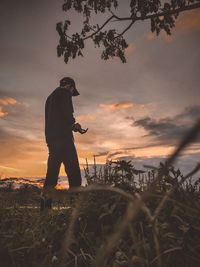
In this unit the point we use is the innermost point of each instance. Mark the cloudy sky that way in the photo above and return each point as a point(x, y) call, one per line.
point(139, 110)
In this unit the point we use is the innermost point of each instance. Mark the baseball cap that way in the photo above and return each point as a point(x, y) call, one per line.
point(68, 80)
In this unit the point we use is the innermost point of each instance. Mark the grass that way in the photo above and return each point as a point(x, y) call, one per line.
point(105, 226)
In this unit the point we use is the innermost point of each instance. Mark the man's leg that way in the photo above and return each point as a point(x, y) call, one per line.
point(71, 164)
point(53, 168)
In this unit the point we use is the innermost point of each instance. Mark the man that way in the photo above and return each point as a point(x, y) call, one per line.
point(59, 124)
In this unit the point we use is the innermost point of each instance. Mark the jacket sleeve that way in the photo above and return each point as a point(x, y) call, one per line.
point(67, 107)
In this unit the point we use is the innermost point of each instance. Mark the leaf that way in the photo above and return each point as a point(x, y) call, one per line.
point(59, 28)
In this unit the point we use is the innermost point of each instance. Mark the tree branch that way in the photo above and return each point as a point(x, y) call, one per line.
point(168, 12)
point(126, 29)
point(114, 42)
point(94, 33)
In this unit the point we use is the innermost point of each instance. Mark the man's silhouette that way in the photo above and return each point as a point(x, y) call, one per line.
point(59, 124)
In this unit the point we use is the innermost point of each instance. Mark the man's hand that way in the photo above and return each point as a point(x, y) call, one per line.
point(76, 127)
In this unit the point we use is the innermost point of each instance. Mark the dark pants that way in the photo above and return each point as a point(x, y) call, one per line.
point(62, 150)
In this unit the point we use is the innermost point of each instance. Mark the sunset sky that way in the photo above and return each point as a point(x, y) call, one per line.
point(137, 111)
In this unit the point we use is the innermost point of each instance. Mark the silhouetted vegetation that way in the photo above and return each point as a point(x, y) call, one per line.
point(117, 224)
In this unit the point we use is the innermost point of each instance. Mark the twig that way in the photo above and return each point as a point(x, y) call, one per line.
point(21, 248)
point(196, 169)
point(189, 137)
point(126, 29)
point(145, 209)
point(120, 228)
point(69, 232)
point(99, 29)
point(165, 252)
point(157, 245)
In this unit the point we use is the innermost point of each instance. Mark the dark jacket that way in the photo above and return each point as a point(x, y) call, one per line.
point(59, 114)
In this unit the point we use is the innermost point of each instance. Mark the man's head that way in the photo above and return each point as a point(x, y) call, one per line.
point(69, 83)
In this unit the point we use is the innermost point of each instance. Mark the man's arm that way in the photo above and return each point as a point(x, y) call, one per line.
point(67, 107)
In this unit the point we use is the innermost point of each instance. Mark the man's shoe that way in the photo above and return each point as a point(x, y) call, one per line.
point(45, 203)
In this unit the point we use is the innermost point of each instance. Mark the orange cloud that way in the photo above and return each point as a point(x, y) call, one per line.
point(5, 102)
point(121, 105)
point(189, 22)
point(90, 117)
point(3, 114)
point(167, 37)
point(149, 36)
point(130, 49)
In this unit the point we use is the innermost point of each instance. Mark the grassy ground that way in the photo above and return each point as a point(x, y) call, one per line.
point(105, 226)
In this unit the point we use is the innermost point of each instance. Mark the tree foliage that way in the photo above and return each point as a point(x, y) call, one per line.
point(162, 15)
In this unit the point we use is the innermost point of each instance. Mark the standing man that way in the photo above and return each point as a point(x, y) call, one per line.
point(59, 124)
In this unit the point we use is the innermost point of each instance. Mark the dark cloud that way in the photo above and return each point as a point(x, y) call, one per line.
point(162, 128)
point(126, 158)
point(191, 112)
point(170, 129)
point(113, 154)
point(100, 154)
point(126, 150)
point(129, 118)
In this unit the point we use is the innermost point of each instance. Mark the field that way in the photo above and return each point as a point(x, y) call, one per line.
point(117, 220)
